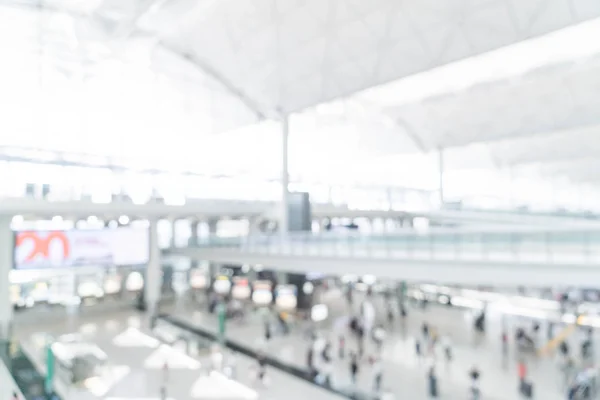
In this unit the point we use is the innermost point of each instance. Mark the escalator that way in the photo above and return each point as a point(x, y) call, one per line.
point(29, 381)
point(295, 371)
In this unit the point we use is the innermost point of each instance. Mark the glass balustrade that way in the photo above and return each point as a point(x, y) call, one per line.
point(533, 245)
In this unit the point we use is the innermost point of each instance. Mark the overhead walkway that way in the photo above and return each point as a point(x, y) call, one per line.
point(516, 256)
point(211, 208)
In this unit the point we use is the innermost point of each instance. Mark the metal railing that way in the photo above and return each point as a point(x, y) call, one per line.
point(271, 359)
point(580, 245)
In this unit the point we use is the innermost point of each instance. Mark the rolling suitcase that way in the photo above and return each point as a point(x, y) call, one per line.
point(527, 389)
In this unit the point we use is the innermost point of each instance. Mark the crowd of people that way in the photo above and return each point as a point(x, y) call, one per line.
point(357, 340)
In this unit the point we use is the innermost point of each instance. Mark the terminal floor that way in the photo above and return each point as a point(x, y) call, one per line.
point(404, 373)
point(141, 382)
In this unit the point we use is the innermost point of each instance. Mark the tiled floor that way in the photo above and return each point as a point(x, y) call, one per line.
point(404, 373)
point(135, 367)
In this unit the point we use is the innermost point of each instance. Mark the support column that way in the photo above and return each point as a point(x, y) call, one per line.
point(282, 277)
point(6, 261)
point(390, 199)
point(213, 268)
point(152, 287)
point(441, 175)
point(212, 226)
point(254, 225)
point(173, 231)
point(194, 233)
point(285, 178)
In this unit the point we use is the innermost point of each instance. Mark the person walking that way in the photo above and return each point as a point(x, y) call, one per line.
point(425, 331)
point(390, 315)
point(378, 337)
point(474, 374)
point(525, 387)
point(361, 340)
point(418, 349)
point(231, 366)
point(521, 371)
point(447, 349)
point(165, 381)
point(432, 383)
point(377, 370)
point(341, 347)
point(353, 367)
point(326, 352)
point(325, 373)
point(267, 331)
point(504, 344)
point(261, 374)
point(310, 365)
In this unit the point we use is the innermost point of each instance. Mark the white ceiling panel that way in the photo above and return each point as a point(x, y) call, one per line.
point(558, 98)
point(421, 74)
point(385, 39)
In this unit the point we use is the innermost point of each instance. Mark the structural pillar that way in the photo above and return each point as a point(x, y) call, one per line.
point(194, 233)
point(213, 269)
point(441, 176)
point(212, 229)
point(152, 288)
point(173, 233)
point(6, 261)
point(285, 178)
point(282, 277)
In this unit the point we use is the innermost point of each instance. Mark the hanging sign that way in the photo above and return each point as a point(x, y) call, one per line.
point(241, 288)
point(286, 296)
point(262, 292)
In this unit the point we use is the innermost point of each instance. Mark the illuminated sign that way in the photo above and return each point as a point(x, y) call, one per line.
point(222, 284)
point(262, 293)
point(48, 249)
point(241, 288)
point(286, 296)
point(38, 244)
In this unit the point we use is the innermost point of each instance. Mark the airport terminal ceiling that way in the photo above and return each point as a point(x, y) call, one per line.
point(504, 91)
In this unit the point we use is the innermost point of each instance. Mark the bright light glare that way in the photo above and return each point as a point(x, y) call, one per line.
point(123, 219)
point(174, 358)
point(133, 337)
point(100, 385)
point(136, 398)
point(88, 329)
point(467, 303)
point(218, 386)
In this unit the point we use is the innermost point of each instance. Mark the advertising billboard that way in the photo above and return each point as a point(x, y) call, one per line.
point(70, 248)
